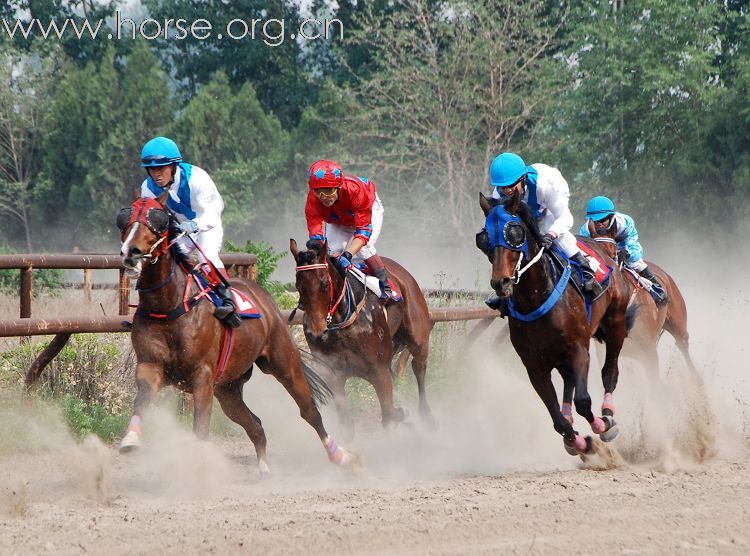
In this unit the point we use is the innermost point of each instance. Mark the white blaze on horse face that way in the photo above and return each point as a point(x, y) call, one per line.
point(134, 271)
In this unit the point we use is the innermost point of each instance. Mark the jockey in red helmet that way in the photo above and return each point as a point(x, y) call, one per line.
point(347, 213)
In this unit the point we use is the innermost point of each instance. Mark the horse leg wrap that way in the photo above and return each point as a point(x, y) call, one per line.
point(335, 454)
point(608, 404)
point(567, 412)
point(580, 443)
point(598, 426)
point(135, 425)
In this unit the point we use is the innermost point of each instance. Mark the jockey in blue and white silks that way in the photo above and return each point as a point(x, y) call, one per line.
point(197, 205)
point(545, 190)
point(601, 214)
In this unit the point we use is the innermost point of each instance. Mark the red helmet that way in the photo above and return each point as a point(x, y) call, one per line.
point(324, 173)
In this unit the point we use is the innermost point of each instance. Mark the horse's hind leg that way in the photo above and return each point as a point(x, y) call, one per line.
point(419, 366)
point(203, 397)
point(230, 399)
point(337, 385)
point(149, 378)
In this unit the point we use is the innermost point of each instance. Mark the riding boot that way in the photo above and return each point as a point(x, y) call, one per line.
point(498, 303)
point(226, 312)
point(590, 285)
point(657, 287)
point(376, 266)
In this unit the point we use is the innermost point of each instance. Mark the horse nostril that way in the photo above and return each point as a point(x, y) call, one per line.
point(506, 282)
point(134, 252)
point(324, 335)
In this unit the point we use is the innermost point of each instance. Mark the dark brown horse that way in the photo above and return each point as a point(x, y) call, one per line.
point(184, 350)
point(652, 319)
point(559, 338)
point(358, 336)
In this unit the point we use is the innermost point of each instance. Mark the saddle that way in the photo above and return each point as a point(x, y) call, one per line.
point(602, 272)
point(246, 308)
point(359, 271)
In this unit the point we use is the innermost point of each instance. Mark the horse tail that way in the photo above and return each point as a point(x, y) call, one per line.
point(631, 313)
point(399, 361)
point(321, 392)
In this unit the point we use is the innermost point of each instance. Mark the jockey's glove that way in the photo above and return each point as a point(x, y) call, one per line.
point(345, 260)
point(189, 226)
point(623, 255)
point(546, 241)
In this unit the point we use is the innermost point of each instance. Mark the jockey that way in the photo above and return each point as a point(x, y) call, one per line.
point(197, 205)
point(600, 212)
point(347, 213)
point(546, 192)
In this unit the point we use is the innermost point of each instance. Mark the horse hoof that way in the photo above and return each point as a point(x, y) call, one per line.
point(130, 442)
point(429, 422)
point(265, 472)
point(350, 460)
point(399, 414)
point(612, 430)
point(569, 447)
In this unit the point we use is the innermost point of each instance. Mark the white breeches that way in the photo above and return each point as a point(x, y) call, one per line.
point(566, 242)
point(339, 237)
point(209, 242)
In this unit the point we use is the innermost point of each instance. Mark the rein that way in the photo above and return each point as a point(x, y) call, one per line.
point(519, 271)
point(346, 289)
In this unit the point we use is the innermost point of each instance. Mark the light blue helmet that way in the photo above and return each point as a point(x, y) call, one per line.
point(506, 170)
point(600, 208)
point(160, 151)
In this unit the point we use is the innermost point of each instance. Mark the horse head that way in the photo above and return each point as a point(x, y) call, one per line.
point(315, 286)
point(144, 227)
point(510, 233)
point(604, 237)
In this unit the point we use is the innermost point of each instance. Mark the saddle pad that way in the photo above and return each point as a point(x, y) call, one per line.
point(245, 306)
point(600, 268)
point(372, 283)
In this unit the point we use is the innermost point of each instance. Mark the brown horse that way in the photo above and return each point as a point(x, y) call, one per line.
point(652, 319)
point(178, 341)
point(358, 336)
point(554, 335)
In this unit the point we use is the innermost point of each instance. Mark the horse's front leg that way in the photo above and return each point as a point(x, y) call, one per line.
point(568, 389)
point(541, 380)
point(610, 374)
point(149, 378)
point(203, 398)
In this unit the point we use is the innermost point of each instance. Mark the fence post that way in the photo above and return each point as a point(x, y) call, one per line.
point(87, 285)
point(124, 293)
point(27, 280)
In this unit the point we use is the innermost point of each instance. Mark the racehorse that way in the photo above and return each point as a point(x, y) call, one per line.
point(652, 319)
point(178, 341)
point(554, 335)
point(357, 335)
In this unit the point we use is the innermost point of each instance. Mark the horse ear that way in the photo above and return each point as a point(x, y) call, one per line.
point(293, 249)
point(484, 202)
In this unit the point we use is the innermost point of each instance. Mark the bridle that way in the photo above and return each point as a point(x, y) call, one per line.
point(346, 290)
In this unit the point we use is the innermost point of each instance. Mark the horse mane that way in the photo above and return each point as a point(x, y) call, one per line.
point(527, 217)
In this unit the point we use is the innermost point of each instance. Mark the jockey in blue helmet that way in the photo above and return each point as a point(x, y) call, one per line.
point(603, 220)
point(546, 192)
point(197, 205)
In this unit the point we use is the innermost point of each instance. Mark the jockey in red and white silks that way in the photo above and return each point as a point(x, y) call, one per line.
point(346, 212)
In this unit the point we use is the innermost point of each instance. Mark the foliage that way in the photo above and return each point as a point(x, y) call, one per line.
point(90, 417)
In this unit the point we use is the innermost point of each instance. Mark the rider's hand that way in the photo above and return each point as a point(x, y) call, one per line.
point(189, 226)
point(623, 255)
point(546, 241)
point(345, 260)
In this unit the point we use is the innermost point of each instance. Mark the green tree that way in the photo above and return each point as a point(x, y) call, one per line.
point(26, 85)
point(456, 82)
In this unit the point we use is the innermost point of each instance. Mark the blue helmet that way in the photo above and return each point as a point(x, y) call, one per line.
point(160, 151)
point(506, 170)
point(600, 208)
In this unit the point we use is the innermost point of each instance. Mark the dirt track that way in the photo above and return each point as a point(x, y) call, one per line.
point(493, 479)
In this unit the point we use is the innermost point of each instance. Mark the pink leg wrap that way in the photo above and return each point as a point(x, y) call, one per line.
point(335, 453)
point(598, 426)
point(580, 443)
point(135, 425)
point(567, 412)
point(609, 402)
